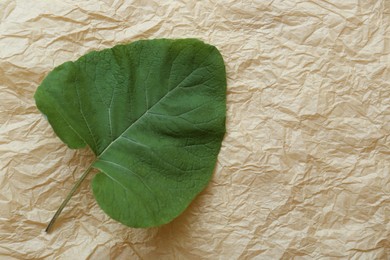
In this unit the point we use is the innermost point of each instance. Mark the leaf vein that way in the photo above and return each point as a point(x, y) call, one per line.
point(82, 113)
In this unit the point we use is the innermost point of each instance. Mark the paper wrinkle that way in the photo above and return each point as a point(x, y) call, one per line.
point(304, 166)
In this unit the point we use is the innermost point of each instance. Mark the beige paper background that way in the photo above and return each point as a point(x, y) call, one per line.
point(305, 164)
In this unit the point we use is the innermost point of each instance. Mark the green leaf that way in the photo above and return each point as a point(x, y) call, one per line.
point(153, 112)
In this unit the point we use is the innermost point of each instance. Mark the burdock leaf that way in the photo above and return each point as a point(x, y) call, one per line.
point(153, 113)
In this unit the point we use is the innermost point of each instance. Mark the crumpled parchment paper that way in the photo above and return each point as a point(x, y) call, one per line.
point(305, 164)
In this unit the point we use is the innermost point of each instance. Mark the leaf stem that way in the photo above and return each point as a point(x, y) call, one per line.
point(68, 197)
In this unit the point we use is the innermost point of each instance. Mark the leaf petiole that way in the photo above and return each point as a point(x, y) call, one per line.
point(68, 197)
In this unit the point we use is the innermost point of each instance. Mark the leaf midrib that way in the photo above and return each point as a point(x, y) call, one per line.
point(149, 109)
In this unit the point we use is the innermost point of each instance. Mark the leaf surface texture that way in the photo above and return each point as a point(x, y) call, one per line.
point(153, 113)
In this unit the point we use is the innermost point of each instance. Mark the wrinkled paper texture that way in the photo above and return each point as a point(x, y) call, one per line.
point(304, 167)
